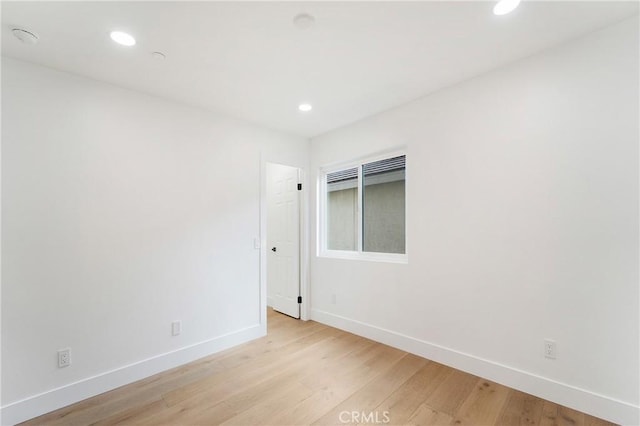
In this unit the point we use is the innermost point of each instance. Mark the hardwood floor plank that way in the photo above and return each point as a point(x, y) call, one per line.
point(259, 368)
point(594, 421)
point(367, 398)
point(225, 386)
point(569, 417)
point(352, 379)
point(255, 402)
point(521, 409)
point(427, 416)
point(326, 395)
point(271, 405)
point(287, 395)
point(452, 392)
point(557, 415)
point(283, 334)
point(131, 415)
point(549, 414)
point(303, 373)
point(404, 401)
point(483, 405)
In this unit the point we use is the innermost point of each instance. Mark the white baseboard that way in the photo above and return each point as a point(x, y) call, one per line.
point(45, 402)
point(561, 393)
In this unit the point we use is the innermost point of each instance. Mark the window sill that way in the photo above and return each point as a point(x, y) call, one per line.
point(366, 256)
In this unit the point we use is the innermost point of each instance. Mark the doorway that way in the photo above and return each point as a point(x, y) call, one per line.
point(284, 190)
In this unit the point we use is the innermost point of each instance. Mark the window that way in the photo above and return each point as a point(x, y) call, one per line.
point(363, 210)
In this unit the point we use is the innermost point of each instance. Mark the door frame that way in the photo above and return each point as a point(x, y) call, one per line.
point(304, 240)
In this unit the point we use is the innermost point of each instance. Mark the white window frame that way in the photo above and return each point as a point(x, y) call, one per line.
point(358, 254)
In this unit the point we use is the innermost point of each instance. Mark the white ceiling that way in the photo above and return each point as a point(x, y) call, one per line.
point(248, 60)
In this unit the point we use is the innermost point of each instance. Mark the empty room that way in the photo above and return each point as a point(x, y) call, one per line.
point(320, 213)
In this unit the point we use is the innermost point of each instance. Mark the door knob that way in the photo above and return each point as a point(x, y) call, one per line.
point(273, 249)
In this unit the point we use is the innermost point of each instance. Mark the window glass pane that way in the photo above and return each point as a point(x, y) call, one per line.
point(383, 202)
point(342, 210)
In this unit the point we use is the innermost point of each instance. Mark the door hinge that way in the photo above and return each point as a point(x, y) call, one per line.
point(299, 299)
point(299, 187)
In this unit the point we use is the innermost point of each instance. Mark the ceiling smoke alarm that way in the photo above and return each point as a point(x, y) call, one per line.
point(304, 21)
point(27, 37)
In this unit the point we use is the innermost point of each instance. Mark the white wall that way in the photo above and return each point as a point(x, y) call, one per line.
point(122, 213)
point(522, 224)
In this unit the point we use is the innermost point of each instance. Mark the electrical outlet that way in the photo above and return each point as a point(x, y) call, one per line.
point(64, 358)
point(176, 328)
point(550, 350)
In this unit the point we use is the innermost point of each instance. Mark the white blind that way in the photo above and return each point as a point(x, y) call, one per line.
point(376, 167)
point(386, 165)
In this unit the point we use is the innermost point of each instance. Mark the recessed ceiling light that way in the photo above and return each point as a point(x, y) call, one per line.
point(305, 107)
point(304, 21)
point(505, 6)
point(122, 38)
point(27, 37)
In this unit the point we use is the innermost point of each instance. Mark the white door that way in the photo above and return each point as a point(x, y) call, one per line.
point(283, 239)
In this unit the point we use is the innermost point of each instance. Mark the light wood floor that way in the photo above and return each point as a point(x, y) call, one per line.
point(305, 373)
